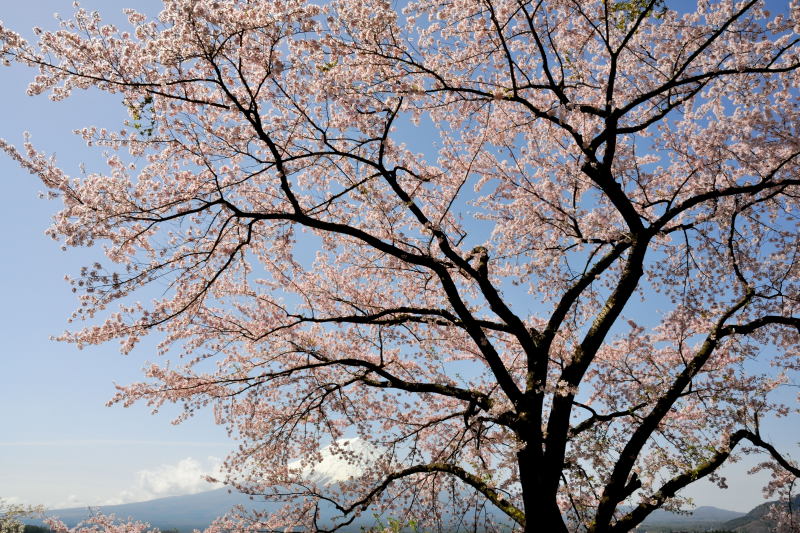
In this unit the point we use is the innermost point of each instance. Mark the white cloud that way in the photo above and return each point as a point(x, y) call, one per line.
point(71, 501)
point(187, 476)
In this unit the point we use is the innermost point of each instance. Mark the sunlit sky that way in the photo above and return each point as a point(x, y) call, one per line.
point(59, 444)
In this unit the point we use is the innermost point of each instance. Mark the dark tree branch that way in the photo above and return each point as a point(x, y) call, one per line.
point(598, 418)
point(668, 490)
point(439, 468)
point(614, 493)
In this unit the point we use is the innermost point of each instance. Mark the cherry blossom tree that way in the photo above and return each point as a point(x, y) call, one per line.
point(101, 523)
point(12, 513)
point(540, 258)
point(782, 516)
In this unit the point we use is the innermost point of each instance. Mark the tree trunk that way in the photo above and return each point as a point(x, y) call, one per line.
point(542, 514)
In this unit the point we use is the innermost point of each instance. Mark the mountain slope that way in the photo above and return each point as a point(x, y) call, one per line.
point(199, 510)
point(181, 512)
point(700, 514)
point(753, 521)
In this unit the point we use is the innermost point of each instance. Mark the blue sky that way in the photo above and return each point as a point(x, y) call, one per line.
point(59, 444)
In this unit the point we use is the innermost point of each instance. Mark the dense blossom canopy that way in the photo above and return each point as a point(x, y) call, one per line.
point(539, 258)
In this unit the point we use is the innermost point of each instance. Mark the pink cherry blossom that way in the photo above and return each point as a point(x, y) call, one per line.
point(529, 252)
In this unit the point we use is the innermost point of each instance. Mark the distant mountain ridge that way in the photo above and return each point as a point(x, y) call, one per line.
point(184, 513)
point(704, 518)
point(753, 521)
point(197, 511)
point(703, 513)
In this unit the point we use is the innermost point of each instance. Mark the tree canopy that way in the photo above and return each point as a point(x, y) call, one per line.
point(11, 515)
point(539, 257)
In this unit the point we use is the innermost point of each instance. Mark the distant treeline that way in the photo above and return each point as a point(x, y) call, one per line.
point(37, 529)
